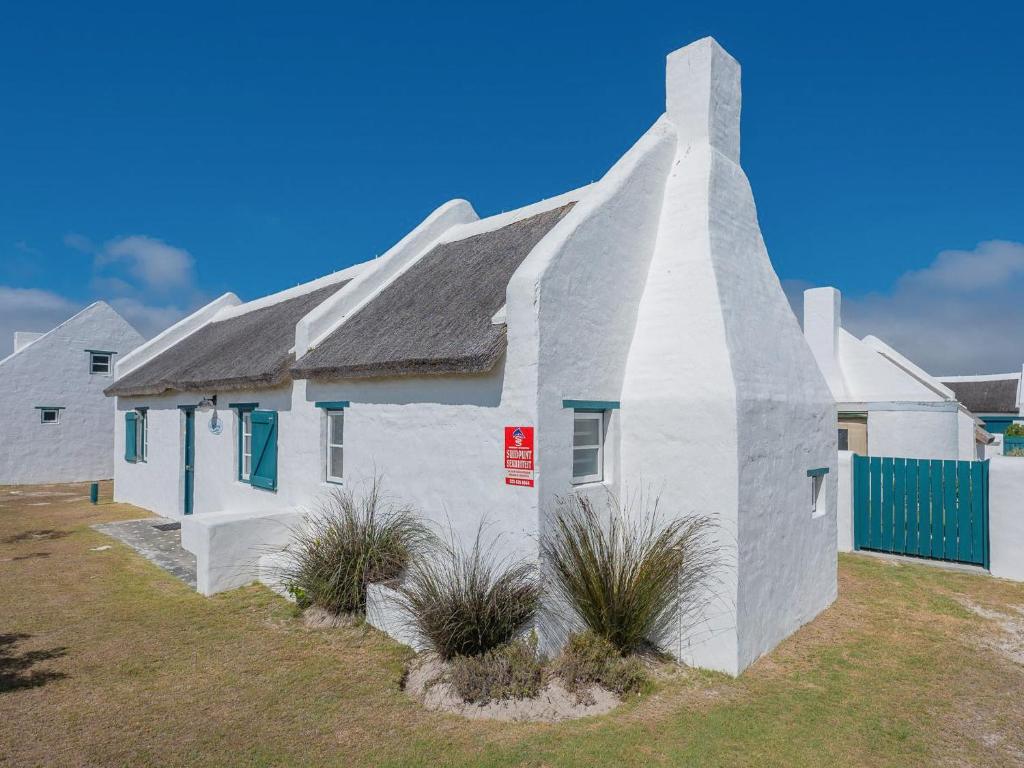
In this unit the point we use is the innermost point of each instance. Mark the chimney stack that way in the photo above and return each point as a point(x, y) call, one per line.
point(702, 96)
point(822, 321)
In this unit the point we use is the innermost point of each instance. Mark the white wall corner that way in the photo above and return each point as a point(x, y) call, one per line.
point(702, 96)
point(329, 315)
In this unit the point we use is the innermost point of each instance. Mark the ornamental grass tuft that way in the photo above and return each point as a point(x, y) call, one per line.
point(467, 602)
point(629, 577)
point(350, 541)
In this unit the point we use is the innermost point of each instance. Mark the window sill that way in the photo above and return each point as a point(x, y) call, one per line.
point(587, 484)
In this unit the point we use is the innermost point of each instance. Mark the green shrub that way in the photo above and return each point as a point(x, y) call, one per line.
point(1015, 430)
point(588, 659)
point(465, 604)
point(510, 671)
point(349, 542)
point(1015, 452)
point(629, 578)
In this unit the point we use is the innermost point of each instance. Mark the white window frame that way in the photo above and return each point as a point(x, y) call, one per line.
point(600, 418)
point(92, 363)
point(332, 441)
point(245, 459)
point(141, 434)
point(44, 411)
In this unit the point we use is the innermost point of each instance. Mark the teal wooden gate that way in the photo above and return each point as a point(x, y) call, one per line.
point(920, 507)
point(1013, 445)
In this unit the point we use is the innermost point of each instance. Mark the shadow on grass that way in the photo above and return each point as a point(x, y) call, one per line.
point(48, 534)
point(16, 670)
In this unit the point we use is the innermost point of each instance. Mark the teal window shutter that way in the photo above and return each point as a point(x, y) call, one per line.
point(264, 450)
point(130, 445)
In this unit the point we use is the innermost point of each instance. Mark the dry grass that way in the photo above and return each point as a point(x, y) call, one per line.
point(135, 669)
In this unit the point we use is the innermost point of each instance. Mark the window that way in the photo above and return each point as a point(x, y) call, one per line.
point(818, 499)
point(245, 445)
point(588, 447)
point(844, 439)
point(49, 415)
point(335, 451)
point(141, 435)
point(100, 362)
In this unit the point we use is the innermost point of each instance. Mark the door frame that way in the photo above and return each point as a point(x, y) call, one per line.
point(188, 459)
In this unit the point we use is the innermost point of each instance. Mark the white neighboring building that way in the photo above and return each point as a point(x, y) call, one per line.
point(997, 399)
point(55, 421)
point(636, 326)
point(887, 405)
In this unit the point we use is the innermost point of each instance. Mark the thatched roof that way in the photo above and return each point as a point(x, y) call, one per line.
point(987, 395)
point(436, 317)
point(248, 350)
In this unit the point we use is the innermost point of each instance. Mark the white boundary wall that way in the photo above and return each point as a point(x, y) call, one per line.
point(1006, 514)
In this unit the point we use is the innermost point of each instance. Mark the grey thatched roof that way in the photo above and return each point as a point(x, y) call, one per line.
point(436, 317)
point(987, 396)
point(248, 350)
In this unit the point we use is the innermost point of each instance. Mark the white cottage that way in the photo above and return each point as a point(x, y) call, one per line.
point(55, 422)
point(996, 398)
point(888, 406)
point(632, 333)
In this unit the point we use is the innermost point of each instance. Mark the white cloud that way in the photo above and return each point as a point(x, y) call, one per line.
point(151, 283)
point(156, 264)
point(963, 313)
point(992, 264)
point(147, 319)
point(30, 309)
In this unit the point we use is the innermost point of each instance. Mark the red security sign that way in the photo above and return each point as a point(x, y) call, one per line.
point(519, 456)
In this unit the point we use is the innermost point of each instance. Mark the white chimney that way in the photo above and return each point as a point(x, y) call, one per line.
point(23, 338)
point(822, 321)
point(702, 96)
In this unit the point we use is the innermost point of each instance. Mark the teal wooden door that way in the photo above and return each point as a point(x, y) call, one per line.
point(923, 508)
point(190, 459)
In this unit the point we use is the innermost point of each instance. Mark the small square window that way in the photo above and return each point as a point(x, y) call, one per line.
point(588, 447)
point(49, 415)
point(100, 362)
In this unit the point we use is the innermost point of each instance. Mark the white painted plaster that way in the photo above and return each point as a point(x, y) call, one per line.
point(718, 352)
point(384, 611)
point(228, 545)
point(23, 338)
point(910, 413)
point(844, 502)
point(1006, 517)
point(53, 370)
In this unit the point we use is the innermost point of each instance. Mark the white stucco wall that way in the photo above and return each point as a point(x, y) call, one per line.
point(53, 370)
point(844, 502)
point(723, 406)
point(915, 434)
point(1006, 517)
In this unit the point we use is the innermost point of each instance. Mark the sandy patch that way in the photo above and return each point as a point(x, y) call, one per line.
point(317, 618)
point(424, 683)
point(1009, 636)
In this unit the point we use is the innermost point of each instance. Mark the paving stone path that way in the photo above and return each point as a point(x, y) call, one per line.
point(162, 547)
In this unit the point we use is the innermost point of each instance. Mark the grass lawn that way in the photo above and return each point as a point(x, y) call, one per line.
point(105, 660)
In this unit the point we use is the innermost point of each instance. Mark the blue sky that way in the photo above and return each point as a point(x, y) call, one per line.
point(157, 157)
